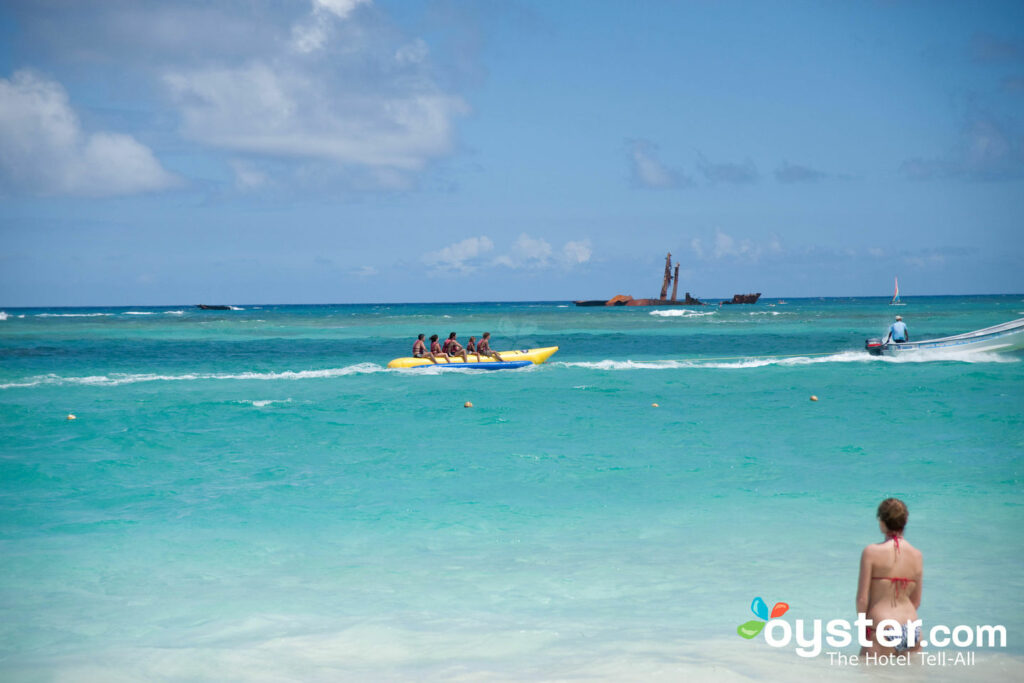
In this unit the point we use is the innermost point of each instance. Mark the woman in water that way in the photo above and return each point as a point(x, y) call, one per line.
point(889, 586)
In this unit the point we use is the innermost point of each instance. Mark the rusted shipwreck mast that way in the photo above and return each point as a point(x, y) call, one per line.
point(663, 300)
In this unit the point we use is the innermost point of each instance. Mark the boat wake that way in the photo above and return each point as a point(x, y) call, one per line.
point(743, 363)
point(118, 379)
point(471, 368)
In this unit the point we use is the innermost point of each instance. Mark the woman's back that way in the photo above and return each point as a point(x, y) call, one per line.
point(896, 568)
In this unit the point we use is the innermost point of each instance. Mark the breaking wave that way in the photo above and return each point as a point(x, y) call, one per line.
point(266, 402)
point(684, 313)
point(119, 379)
point(71, 315)
point(4, 316)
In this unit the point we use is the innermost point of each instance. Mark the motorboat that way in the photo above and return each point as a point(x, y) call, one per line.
point(1005, 337)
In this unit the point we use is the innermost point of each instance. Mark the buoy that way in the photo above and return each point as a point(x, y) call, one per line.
point(467, 404)
point(71, 417)
point(814, 398)
point(654, 405)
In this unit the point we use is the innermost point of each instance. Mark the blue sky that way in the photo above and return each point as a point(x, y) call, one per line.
point(377, 151)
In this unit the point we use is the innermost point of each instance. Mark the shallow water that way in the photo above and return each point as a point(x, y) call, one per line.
point(252, 492)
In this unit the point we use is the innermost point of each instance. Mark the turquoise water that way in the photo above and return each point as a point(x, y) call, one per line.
point(250, 494)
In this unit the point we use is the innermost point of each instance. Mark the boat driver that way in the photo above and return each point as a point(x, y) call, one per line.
point(898, 331)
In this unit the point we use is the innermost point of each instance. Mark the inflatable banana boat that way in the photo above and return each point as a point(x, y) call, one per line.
point(509, 359)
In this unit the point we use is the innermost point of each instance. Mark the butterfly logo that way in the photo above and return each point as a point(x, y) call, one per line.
point(760, 609)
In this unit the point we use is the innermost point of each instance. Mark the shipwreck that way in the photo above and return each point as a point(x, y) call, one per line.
point(663, 300)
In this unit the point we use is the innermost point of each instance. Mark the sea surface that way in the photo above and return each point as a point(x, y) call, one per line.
point(251, 495)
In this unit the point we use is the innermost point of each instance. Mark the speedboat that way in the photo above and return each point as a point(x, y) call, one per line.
point(1006, 337)
point(509, 360)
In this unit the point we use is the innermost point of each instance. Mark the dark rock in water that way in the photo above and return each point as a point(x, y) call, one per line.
point(619, 300)
point(744, 298)
point(590, 302)
point(207, 307)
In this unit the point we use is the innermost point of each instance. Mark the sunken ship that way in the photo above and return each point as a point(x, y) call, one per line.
point(663, 300)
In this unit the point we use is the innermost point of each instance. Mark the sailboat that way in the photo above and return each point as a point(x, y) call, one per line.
point(896, 295)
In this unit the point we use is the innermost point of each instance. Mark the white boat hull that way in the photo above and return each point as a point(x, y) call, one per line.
point(1005, 337)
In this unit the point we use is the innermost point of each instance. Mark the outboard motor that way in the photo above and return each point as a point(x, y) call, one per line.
point(874, 346)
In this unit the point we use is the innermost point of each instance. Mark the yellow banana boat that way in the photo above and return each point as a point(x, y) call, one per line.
point(509, 359)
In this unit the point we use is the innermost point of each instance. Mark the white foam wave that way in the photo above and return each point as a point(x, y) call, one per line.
point(174, 312)
point(119, 379)
point(267, 402)
point(762, 361)
point(71, 315)
point(236, 308)
point(443, 368)
point(4, 316)
point(682, 313)
point(139, 312)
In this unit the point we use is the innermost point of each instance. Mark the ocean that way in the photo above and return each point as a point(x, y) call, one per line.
point(251, 495)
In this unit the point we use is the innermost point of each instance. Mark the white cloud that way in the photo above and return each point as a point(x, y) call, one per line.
point(727, 172)
point(576, 252)
point(350, 93)
point(988, 150)
point(412, 53)
point(248, 177)
point(926, 260)
point(458, 256)
point(284, 113)
point(535, 253)
point(527, 252)
point(43, 149)
point(312, 32)
point(726, 246)
point(364, 271)
point(698, 247)
point(648, 171)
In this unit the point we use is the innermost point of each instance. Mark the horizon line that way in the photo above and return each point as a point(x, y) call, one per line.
point(495, 301)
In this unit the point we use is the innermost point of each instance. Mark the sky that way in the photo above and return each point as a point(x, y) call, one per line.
point(347, 151)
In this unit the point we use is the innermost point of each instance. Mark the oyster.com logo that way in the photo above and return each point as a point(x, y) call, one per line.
point(760, 609)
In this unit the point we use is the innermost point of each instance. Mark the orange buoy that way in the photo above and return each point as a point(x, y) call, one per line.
point(467, 404)
point(814, 398)
point(71, 417)
point(654, 405)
